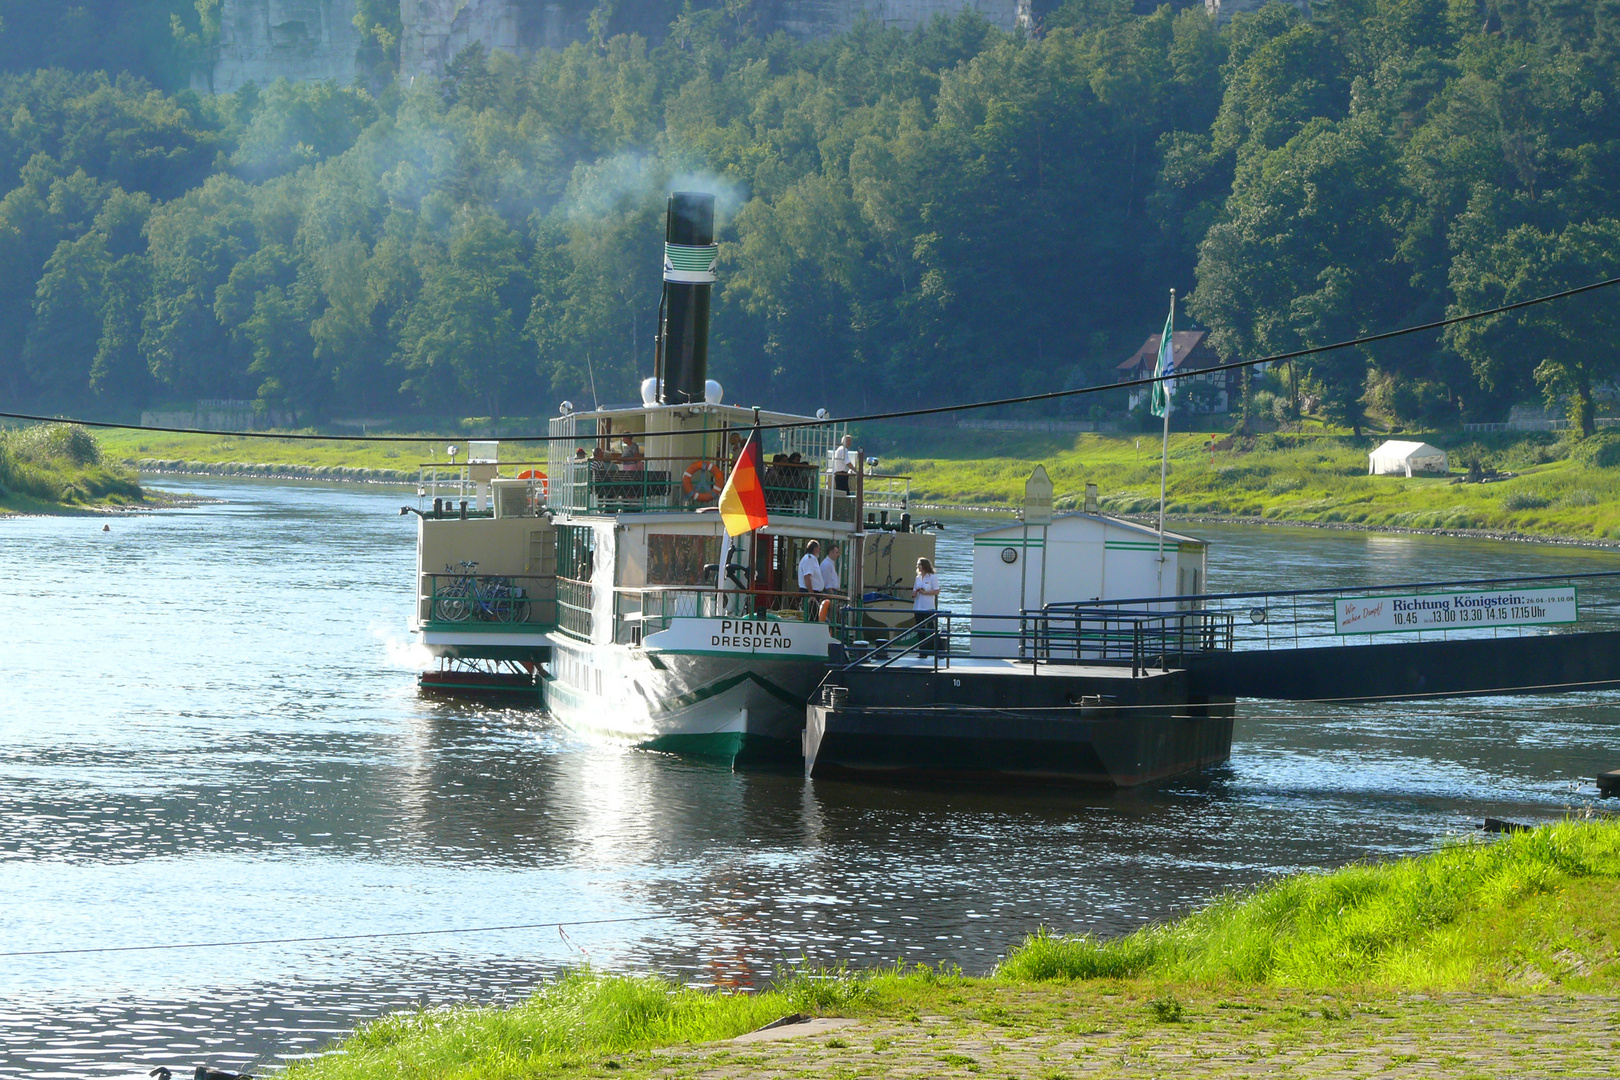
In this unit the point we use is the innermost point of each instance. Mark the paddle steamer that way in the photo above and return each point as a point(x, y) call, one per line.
point(604, 575)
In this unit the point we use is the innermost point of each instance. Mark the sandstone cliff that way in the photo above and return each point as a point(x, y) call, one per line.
point(301, 40)
point(261, 41)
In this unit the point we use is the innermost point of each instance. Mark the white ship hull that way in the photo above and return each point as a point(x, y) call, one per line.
point(707, 703)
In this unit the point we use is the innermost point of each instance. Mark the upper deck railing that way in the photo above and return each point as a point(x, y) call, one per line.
point(679, 458)
point(651, 485)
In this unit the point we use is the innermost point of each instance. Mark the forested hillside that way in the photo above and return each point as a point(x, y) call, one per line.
point(908, 218)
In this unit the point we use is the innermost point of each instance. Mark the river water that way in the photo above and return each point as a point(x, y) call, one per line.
point(209, 732)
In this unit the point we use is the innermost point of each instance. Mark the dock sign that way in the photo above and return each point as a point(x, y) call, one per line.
point(1453, 610)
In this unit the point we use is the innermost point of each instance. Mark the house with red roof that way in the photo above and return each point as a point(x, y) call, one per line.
point(1193, 354)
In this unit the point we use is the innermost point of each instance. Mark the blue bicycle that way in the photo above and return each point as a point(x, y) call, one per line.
point(491, 599)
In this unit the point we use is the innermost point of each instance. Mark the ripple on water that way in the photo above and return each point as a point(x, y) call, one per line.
point(227, 745)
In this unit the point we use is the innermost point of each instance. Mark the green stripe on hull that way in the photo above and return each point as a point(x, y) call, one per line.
point(721, 746)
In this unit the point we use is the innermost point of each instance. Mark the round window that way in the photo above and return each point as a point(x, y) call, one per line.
point(1009, 555)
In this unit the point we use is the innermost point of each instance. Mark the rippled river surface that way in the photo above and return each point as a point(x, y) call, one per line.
point(209, 731)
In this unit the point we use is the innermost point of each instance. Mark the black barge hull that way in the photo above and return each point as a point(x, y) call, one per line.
point(1093, 726)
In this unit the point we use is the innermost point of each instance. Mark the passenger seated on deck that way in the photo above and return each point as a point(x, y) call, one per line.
point(630, 457)
point(775, 481)
point(800, 479)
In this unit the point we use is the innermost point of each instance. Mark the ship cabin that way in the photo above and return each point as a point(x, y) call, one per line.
point(618, 531)
point(634, 498)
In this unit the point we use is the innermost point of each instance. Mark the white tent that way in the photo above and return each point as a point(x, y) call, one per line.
point(1405, 459)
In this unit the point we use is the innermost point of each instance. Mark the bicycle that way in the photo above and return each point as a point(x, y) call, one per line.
point(492, 599)
point(450, 602)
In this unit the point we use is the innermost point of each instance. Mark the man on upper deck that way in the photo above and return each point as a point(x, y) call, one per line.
point(843, 465)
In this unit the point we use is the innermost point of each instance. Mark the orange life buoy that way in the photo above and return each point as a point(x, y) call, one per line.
point(824, 613)
point(702, 482)
point(536, 474)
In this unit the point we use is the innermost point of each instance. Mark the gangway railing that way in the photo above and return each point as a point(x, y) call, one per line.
point(1141, 640)
point(1301, 618)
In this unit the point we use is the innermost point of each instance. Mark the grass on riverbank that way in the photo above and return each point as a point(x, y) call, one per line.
point(51, 467)
point(1532, 907)
point(1559, 489)
point(1526, 911)
point(187, 453)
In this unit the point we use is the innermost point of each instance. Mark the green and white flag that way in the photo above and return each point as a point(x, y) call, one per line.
point(1165, 367)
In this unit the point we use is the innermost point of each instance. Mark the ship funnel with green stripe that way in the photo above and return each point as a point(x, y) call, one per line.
point(690, 258)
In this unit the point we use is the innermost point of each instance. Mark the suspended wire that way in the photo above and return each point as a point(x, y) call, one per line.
point(333, 937)
point(896, 414)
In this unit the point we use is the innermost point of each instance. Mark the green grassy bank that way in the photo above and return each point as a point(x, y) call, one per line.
point(1527, 912)
point(1558, 488)
point(57, 468)
point(158, 452)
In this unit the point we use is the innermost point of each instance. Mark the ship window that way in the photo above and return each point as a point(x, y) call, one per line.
point(576, 551)
point(674, 559)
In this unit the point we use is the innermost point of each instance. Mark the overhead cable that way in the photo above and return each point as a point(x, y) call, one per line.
point(896, 414)
point(333, 937)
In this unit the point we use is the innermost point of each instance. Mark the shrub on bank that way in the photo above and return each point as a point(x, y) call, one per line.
point(1405, 923)
point(61, 463)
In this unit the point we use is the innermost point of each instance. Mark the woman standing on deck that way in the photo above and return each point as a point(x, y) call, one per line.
point(925, 605)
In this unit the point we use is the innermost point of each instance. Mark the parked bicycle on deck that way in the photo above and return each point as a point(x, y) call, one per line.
point(491, 599)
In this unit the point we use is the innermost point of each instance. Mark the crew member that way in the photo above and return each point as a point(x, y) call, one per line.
point(810, 580)
point(830, 580)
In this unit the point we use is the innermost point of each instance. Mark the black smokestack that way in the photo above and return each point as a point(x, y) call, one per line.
point(690, 255)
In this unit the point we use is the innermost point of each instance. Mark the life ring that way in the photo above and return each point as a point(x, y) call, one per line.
point(824, 612)
point(536, 474)
point(702, 482)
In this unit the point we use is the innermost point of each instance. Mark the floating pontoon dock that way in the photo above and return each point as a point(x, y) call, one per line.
point(1131, 691)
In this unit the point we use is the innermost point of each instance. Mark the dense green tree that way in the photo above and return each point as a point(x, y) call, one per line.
point(914, 217)
point(464, 333)
point(1567, 343)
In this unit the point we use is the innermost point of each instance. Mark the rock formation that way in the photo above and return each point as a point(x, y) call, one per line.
point(435, 30)
point(305, 40)
point(261, 41)
point(823, 18)
point(1223, 10)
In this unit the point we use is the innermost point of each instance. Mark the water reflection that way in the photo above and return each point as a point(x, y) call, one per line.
point(226, 744)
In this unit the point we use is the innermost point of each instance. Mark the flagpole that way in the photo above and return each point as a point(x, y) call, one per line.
point(1164, 456)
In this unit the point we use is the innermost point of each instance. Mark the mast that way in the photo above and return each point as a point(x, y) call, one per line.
point(1168, 343)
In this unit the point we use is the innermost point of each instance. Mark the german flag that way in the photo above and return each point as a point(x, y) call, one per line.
point(742, 502)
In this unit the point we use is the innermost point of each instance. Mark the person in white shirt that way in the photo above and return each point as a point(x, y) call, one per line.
point(842, 466)
point(925, 605)
point(810, 568)
point(830, 580)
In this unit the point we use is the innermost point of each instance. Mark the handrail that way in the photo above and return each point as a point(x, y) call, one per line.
point(1141, 638)
point(1071, 604)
